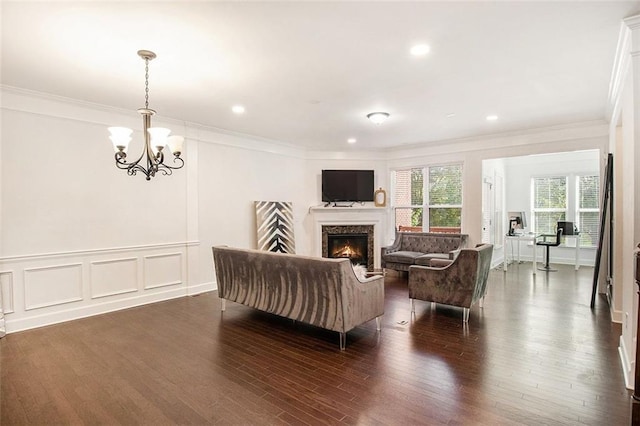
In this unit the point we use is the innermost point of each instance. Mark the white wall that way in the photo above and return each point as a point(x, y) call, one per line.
point(81, 237)
point(231, 179)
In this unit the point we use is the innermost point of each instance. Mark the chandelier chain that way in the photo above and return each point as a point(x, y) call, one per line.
point(146, 83)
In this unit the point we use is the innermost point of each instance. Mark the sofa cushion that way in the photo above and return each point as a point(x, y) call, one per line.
point(425, 259)
point(402, 256)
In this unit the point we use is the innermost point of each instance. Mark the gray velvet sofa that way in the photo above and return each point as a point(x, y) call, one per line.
point(462, 282)
point(419, 248)
point(318, 291)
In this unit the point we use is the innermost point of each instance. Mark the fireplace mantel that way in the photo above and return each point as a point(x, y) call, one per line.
point(356, 215)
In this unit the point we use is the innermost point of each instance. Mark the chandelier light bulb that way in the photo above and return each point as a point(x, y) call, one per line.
point(120, 137)
point(175, 143)
point(159, 137)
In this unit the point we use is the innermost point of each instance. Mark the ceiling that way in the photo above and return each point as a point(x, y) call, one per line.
point(307, 73)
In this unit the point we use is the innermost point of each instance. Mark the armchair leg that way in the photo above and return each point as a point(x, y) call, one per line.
point(481, 302)
point(465, 314)
point(343, 341)
point(433, 305)
point(413, 306)
point(224, 304)
point(378, 323)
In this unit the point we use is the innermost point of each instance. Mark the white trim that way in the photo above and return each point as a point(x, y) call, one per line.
point(202, 288)
point(106, 262)
point(626, 365)
point(25, 283)
point(98, 251)
point(620, 68)
point(86, 311)
point(9, 300)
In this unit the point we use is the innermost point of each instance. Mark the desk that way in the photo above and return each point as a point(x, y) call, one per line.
point(517, 238)
point(532, 237)
point(577, 247)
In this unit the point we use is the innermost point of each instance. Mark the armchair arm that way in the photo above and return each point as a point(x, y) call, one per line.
point(361, 301)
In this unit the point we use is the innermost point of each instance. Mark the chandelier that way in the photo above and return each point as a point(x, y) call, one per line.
point(151, 161)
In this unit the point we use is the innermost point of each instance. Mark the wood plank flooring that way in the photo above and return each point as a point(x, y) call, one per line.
point(535, 355)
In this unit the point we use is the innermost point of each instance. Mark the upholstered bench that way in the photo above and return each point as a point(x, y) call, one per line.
point(419, 248)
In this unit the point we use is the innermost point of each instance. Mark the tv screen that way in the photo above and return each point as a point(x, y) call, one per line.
point(347, 185)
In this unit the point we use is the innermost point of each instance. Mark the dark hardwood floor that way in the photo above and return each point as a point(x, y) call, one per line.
point(535, 355)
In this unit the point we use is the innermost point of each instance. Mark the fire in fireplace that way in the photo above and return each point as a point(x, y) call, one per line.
point(352, 246)
point(352, 241)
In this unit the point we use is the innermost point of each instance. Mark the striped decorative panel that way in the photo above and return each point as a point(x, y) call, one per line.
point(275, 226)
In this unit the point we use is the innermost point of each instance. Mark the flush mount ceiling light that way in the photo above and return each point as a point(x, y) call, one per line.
point(155, 138)
point(378, 117)
point(492, 117)
point(238, 109)
point(351, 140)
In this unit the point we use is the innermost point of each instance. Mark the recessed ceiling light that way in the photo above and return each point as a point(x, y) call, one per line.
point(492, 117)
point(378, 117)
point(238, 109)
point(451, 114)
point(351, 140)
point(420, 49)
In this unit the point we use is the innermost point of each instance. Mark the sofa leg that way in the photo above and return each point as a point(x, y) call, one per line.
point(481, 302)
point(433, 305)
point(465, 314)
point(343, 341)
point(224, 304)
point(378, 323)
point(413, 306)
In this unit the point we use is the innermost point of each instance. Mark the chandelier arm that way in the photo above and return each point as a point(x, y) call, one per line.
point(180, 162)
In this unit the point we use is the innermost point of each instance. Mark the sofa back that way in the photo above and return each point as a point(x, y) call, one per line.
point(319, 291)
point(431, 242)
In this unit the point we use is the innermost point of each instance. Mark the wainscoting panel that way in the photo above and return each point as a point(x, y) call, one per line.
point(112, 277)
point(48, 288)
point(52, 285)
point(6, 287)
point(162, 270)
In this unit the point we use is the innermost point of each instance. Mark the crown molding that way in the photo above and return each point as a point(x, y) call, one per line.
point(45, 104)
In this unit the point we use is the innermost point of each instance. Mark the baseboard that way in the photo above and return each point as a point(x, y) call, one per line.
point(202, 288)
point(65, 315)
point(627, 368)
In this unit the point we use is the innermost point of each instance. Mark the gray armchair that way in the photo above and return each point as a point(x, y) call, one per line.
point(462, 282)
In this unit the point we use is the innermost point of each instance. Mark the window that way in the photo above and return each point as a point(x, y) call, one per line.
point(436, 190)
point(571, 198)
point(587, 209)
point(549, 203)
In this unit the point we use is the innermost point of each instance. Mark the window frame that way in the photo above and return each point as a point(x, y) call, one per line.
point(535, 210)
point(426, 205)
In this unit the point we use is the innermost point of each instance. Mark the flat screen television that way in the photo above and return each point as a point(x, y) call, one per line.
point(347, 185)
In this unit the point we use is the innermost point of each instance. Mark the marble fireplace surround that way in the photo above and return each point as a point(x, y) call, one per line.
point(350, 217)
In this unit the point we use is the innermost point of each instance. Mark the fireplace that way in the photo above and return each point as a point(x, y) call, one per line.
point(349, 241)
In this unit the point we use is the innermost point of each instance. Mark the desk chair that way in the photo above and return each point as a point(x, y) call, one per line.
point(547, 245)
